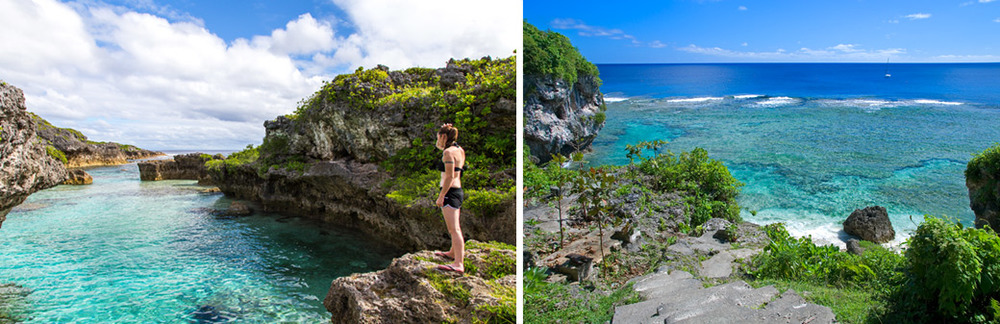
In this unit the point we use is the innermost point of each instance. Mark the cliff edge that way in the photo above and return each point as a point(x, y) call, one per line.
point(563, 105)
point(25, 166)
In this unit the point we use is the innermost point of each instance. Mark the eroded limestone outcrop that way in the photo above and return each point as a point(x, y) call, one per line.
point(412, 290)
point(80, 152)
point(25, 167)
point(561, 118)
point(357, 154)
point(78, 177)
point(182, 167)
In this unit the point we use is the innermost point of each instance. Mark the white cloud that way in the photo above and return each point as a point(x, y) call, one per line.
point(744, 44)
point(918, 16)
point(986, 1)
point(163, 81)
point(894, 21)
point(742, 8)
point(996, 20)
point(591, 31)
point(838, 53)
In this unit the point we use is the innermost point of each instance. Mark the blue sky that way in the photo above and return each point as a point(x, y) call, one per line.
point(688, 31)
point(188, 74)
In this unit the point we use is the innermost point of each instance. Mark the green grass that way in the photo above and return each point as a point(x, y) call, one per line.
point(850, 305)
point(554, 303)
point(56, 154)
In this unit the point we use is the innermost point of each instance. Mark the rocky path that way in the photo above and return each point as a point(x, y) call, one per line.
point(676, 296)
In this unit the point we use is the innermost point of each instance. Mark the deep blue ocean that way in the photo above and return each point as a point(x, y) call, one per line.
point(813, 142)
point(128, 251)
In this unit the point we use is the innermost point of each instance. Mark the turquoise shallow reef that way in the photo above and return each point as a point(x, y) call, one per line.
point(122, 250)
point(813, 142)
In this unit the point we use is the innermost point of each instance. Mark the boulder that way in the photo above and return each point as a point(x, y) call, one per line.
point(412, 290)
point(78, 177)
point(25, 166)
point(870, 224)
point(854, 247)
point(576, 268)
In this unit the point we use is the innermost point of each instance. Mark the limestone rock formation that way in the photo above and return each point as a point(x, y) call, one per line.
point(78, 177)
point(412, 290)
point(982, 177)
point(870, 224)
point(358, 153)
point(182, 167)
point(25, 167)
point(561, 118)
point(81, 152)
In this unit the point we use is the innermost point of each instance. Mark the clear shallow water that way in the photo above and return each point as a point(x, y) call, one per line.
point(813, 142)
point(122, 250)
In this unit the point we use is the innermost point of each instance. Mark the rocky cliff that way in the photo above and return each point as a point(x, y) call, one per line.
point(563, 105)
point(185, 166)
point(76, 151)
point(411, 290)
point(982, 177)
point(25, 167)
point(357, 153)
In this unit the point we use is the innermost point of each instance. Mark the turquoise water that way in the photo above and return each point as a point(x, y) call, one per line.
point(810, 161)
point(122, 250)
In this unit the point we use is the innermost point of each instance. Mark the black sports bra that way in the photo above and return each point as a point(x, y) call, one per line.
point(439, 165)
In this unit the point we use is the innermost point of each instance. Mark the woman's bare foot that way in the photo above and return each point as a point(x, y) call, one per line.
point(446, 255)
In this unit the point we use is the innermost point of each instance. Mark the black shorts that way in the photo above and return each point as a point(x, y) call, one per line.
point(453, 198)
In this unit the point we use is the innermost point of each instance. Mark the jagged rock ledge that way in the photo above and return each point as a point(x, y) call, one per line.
point(182, 167)
point(25, 167)
point(412, 290)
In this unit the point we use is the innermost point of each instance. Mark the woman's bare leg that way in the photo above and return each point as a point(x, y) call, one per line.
point(457, 241)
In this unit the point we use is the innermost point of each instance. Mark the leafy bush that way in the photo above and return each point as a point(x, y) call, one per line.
point(985, 167)
point(799, 259)
point(551, 53)
point(711, 190)
point(248, 155)
point(56, 154)
point(487, 203)
point(954, 270)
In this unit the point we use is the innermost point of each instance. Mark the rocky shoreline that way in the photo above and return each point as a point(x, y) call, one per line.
point(182, 167)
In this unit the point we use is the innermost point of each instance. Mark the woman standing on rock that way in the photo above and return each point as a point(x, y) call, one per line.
point(451, 195)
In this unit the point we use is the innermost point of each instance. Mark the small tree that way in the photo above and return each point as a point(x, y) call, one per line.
point(562, 178)
point(594, 187)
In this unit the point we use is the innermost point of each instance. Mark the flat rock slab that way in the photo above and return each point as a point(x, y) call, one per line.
point(721, 264)
point(547, 217)
point(678, 297)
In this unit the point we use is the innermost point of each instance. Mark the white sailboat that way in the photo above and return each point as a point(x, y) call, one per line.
point(887, 75)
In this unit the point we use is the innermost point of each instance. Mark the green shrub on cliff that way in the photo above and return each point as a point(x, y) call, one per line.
point(709, 187)
point(550, 53)
point(982, 165)
point(246, 156)
point(953, 274)
point(56, 154)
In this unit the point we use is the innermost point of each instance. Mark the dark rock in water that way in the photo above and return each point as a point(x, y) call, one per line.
point(854, 247)
point(870, 224)
point(182, 167)
point(78, 177)
point(25, 166)
point(240, 209)
point(209, 314)
point(210, 190)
